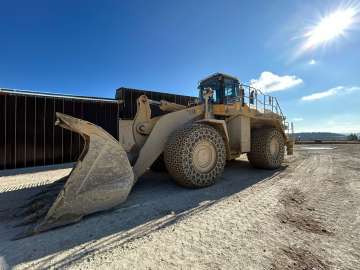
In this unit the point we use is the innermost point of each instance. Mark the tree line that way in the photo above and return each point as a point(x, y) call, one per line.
point(353, 137)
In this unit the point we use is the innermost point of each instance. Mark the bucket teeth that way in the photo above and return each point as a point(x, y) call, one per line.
point(35, 216)
point(35, 205)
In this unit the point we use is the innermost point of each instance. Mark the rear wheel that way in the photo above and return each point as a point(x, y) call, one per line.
point(195, 156)
point(267, 148)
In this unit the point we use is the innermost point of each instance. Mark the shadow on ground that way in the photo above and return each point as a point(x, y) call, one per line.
point(12, 172)
point(154, 203)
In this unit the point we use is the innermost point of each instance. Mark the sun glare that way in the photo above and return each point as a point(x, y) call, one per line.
point(330, 27)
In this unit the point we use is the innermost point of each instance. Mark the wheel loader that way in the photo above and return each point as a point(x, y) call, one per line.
point(192, 143)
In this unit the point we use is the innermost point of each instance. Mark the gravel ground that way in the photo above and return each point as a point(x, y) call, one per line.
point(304, 216)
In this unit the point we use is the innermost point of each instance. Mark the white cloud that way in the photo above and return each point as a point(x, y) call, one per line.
point(298, 119)
point(312, 62)
point(331, 92)
point(270, 82)
point(320, 95)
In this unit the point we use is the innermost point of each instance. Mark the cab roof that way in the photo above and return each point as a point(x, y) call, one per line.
point(218, 75)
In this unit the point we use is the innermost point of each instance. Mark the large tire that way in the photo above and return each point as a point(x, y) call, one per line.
point(159, 164)
point(195, 156)
point(267, 148)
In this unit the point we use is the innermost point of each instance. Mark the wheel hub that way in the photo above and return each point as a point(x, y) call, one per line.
point(274, 147)
point(204, 156)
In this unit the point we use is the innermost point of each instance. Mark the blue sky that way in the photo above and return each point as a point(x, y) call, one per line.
point(93, 47)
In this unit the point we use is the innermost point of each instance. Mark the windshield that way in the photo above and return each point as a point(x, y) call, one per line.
point(215, 85)
point(225, 90)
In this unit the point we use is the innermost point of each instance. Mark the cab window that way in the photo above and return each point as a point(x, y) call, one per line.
point(231, 91)
point(216, 87)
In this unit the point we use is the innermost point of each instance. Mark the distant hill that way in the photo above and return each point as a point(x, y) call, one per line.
point(311, 136)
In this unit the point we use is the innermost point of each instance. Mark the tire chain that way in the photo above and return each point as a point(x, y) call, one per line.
point(260, 155)
point(179, 151)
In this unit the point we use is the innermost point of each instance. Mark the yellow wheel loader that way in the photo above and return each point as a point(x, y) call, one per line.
point(191, 142)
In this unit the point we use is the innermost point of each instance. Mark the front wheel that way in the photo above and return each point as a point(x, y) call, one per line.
point(195, 156)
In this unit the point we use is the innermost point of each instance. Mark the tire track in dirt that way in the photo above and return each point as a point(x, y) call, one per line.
point(214, 238)
point(298, 259)
point(296, 214)
point(241, 229)
point(298, 211)
point(323, 205)
point(296, 201)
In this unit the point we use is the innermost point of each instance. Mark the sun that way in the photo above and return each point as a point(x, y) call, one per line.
point(330, 27)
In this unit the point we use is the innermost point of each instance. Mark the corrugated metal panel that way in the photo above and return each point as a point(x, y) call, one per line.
point(47, 94)
point(130, 95)
point(2, 131)
point(28, 136)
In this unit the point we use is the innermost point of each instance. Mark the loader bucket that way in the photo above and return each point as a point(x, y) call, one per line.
point(101, 179)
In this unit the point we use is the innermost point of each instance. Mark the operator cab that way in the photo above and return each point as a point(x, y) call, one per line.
point(226, 88)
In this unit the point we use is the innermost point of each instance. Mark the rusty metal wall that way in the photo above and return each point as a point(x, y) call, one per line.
point(28, 136)
point(130, 95)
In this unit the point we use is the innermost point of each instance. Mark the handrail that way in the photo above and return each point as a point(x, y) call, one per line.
point(262, 102)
